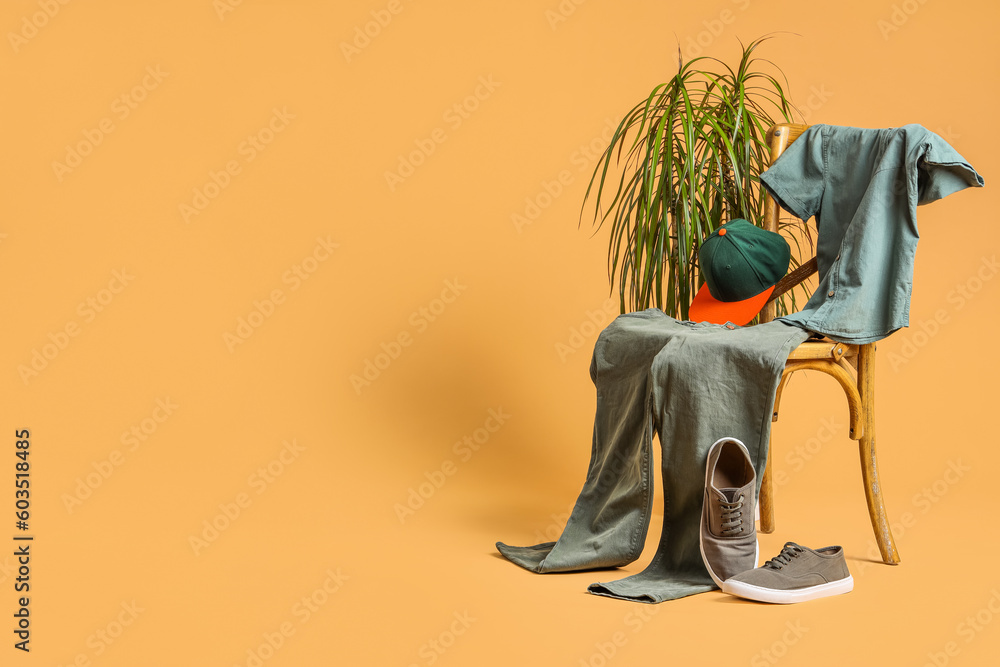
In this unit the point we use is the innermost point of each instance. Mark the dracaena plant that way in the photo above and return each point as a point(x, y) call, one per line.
point(687, 159)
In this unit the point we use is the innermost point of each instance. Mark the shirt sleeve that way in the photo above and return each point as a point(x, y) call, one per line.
point(797, 179)
point(941, 171)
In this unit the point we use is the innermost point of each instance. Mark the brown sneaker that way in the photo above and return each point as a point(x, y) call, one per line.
point(728, 535)
point(797, 574)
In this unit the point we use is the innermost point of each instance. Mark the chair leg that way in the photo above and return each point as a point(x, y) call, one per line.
point(766, 500)
point(869, 463)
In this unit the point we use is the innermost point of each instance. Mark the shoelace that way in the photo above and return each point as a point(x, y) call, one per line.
point(788, 552)
point(732, 516)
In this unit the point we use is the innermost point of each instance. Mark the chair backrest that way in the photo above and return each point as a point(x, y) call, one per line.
point(779, 138)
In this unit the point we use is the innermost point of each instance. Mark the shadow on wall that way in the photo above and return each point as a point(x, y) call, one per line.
point(469, 394)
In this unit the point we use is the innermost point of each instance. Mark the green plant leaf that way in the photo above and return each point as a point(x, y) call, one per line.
point(687, 158)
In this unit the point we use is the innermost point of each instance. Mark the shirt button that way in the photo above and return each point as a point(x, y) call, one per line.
point(830, 294)
point(730, 326)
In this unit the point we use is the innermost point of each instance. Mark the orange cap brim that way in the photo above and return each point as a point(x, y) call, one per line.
point(706, 308)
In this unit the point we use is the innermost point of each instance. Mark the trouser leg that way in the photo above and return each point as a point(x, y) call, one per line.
point(707, 383)
point(608, 524)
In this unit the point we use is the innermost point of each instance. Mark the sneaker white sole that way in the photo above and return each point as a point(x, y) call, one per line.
point(776, 596)
point(701, 524)
point(708, 566)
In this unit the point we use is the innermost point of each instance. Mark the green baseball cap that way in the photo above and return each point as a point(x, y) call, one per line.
point(740, 264)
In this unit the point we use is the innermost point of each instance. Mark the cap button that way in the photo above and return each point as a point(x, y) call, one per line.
point(722, 231)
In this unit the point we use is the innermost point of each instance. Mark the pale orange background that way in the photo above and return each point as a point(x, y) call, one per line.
point(332, 507)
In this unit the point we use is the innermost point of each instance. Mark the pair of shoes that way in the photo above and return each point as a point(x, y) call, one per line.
point(729, 545)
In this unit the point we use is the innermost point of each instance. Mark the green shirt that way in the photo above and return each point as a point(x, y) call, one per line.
point(863, 186)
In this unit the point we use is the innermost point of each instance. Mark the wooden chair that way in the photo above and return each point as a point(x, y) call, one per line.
point(853, 366)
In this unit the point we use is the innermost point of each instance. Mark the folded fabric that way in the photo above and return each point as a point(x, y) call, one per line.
point(691, 384)
point(864, 186)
